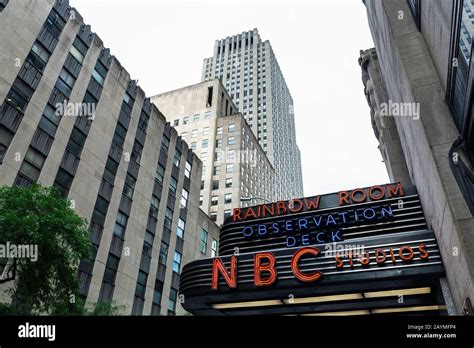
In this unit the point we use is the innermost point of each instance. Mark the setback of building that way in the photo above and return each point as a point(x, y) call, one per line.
point(234, 164)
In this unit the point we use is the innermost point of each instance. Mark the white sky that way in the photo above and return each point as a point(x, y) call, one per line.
point(162, 44)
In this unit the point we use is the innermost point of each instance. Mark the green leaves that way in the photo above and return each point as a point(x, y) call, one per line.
point(39, 217)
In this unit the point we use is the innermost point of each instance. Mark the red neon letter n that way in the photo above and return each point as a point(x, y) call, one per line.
point(230, 279)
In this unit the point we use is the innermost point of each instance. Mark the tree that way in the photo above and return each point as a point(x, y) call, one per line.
point(40, 218)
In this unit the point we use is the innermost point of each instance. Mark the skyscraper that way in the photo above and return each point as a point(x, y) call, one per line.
point(248, 68)
point(234, 164)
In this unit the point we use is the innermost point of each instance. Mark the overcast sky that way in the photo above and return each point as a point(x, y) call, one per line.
point(317, 42)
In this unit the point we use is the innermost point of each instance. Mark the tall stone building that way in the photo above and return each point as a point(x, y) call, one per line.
point(249, 70)
point(419, 84)
point(70, 116)
point(234, 164)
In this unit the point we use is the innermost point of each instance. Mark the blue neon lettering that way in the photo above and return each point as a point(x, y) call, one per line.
point(275, 227)
point(369, 217)
point(300, 224)
point(247, 234)
point(343, 214)
point(318, 222)
point(335, 236)
point(330, 220)
point(293, 239)
point(305, 239)
point(320, 240)
point(387, 210)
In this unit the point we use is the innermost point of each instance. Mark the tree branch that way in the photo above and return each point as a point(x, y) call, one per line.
point(12, 270)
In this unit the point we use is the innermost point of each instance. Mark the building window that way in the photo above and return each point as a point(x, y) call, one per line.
point(214, 200)
point(205, 131)
point(217, 170)
point(193, 146)
point(194, 133)
point(229, 167)
point(165, 143)
point(184, 198)
point(163, 253)
point(120, 224)
point(196, 118)
point(17, 98)
point(129, 186)
point(231, 127)
point(177, 158)
point(159, 174)
point(228, 182)
point(141, 284)
point(180, 230)
point(230, 156)
point(218, 143)
point(213, 216)
point(3, 4)
point(227, 213)
point(99, 79)
point(154, 204)
point(207, 115)
point(215, 184)
point(187, 170)
point(176, 122)
point(214, 248)
point(185, 120)
point(172, 301)
point(231, 141)
point(177, 262)
point(168, 218)
point(203, 245)
point(157, 293)
point(219, 130)
point(201, 198)
point(209, 97)
point(415, 9)
point(228, 198)
point(173, 185)
point(205, 143)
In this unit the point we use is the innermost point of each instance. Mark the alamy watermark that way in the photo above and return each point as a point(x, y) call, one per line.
point(19, 251)
point(76, 109)
point(343, 250)
point(396, 109)
point(237, 156)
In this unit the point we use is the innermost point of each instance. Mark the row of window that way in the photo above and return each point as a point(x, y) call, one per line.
point(80, 131)
point(213, 217)
point(108, 283)
point(105, 192)
point(227, 199)
point(195, 118)
point(145, 261)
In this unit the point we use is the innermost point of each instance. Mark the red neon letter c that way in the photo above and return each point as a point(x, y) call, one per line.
point(295, 268)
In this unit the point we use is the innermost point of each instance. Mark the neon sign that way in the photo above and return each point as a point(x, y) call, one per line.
point(316, 229)
point(265, 264)
point(373, 193)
